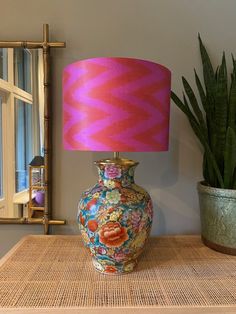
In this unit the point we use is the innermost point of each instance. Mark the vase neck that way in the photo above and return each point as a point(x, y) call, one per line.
point(116, 172)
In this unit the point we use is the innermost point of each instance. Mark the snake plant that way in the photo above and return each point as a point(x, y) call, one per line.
point(212, 116)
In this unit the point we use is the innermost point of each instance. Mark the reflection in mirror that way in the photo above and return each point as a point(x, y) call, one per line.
point(3, 64)
point(23, 143)
point(1, 164)
point(22, 137)
point(23, 68)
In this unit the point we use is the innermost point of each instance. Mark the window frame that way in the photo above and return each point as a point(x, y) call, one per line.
point(4, 200)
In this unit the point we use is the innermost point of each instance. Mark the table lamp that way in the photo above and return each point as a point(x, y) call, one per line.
point(116, 105)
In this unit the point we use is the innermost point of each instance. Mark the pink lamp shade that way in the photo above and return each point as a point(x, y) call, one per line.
point(116, 104)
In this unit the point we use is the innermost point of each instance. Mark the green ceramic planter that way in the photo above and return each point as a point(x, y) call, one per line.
point(218, 218)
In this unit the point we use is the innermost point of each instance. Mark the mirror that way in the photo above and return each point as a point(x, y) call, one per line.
point(25, 136)
point(22, 109)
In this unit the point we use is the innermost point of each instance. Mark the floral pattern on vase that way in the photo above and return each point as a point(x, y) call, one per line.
point(115, 217)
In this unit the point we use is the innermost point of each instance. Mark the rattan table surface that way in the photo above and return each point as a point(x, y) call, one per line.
point(176, 274)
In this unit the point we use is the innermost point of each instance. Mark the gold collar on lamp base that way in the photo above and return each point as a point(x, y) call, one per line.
point(116, 160)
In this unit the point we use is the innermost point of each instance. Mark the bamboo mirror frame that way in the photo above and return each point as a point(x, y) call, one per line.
point(45, 45)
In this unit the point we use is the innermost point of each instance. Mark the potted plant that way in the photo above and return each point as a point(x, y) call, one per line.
point(212, 117)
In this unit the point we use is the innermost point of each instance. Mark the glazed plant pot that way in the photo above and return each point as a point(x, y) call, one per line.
point(218, 218)
point(115, 217)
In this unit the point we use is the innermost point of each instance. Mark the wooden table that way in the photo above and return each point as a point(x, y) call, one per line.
point(54, 274)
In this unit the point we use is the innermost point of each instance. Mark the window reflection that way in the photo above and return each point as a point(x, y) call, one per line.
point(23, 143)
point(21, 89)
point(22, 69)
point(1, 155)
point(3, 64)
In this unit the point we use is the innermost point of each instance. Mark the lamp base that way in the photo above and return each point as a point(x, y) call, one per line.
point(115, 217)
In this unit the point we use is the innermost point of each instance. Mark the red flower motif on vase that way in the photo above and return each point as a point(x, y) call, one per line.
point(112, 172)
point(112, 234)
point(110, 269)
point(92, 225)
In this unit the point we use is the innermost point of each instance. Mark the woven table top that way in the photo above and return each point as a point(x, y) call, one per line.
point(174, 273)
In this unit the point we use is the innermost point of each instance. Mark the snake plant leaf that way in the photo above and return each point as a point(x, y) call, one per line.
point(209, 155)
point(216, 73)
point(185, 108)
point(229, 158)
point(221, 111)
point(200, 91)
point(206, 174)
point(232, 105)
point(210, 85)
point(210, 125)
point(208, 171)
point(209, 76)
point(232, 99)
point(198, 132)
point(194, 104)
point(234, 180)
point(191, 118)
point(234, 65)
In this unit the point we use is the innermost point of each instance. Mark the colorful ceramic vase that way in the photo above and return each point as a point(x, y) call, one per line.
point(115, 217)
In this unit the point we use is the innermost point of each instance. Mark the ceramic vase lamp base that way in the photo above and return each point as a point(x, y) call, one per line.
point(115, 217)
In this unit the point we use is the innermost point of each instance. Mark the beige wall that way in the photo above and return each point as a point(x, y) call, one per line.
point(159, 30)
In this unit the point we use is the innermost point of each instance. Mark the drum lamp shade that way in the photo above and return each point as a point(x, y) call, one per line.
point(116, 104)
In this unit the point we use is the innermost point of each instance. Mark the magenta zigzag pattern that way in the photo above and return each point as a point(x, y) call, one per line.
point(116, 104)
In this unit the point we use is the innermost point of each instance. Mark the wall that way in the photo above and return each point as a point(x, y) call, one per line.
point(164, 31)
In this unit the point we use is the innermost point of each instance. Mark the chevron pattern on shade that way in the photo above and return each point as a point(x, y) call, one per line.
point(116, 104)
